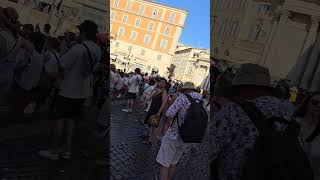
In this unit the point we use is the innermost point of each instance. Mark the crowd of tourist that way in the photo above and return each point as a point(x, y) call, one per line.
point(245, 108)
point(59, 74)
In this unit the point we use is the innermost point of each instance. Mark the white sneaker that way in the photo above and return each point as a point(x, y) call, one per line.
point(125, 110)
point(130, 111)
point(49, 155)
point(119, 96)
point(66, 155)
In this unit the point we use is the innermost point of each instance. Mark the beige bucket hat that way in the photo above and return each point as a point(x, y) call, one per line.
point(188, 85)
point(252, 75)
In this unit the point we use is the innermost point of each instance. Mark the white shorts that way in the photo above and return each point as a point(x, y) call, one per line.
point(170, 152)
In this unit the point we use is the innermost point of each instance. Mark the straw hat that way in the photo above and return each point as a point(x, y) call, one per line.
point(188, 85)
point(252, 75)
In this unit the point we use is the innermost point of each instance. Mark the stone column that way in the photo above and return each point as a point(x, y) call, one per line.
point(275, 24)
point(274, 39)
point(296, 74)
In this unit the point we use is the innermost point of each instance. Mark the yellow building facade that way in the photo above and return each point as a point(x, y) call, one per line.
point(144, 34)
point(70, 14)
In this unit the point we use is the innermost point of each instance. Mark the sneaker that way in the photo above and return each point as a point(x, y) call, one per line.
point(125, 110)
point(49, 155)
point(66, 155)
point(119, 96)
point(130, 111)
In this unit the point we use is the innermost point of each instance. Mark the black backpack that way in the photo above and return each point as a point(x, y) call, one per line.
point(195, 124)
point(276, 155)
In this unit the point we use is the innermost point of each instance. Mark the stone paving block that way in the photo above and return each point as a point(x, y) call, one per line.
point(137, 159)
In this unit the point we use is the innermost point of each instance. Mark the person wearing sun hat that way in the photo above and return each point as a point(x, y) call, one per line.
point(232, 133)
point(172, 147)
point(75, 87)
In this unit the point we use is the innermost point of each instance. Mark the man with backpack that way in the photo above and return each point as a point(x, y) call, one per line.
point(133, 90)
point(75, 87)
point(188, 126)
point(253, 137)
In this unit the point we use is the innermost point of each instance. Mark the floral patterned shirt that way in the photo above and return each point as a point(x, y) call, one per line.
point(231, 134)
point(180, 107)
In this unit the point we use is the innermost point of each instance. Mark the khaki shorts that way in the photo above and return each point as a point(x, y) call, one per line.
point(170, 152)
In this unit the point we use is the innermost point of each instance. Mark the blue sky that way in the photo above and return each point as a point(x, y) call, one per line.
point(197, 25)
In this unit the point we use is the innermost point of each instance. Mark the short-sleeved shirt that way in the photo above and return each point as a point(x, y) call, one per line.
point(134, 82)
point(180, 107)
point(74, 84)
point(51, 63)
point(232, 134)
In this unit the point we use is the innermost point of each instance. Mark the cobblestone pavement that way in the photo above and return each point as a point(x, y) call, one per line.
point(19, 144)
point(133, 160)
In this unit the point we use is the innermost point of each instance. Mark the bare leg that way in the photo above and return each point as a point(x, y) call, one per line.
point(151, 137)
point(164, 173)
point(57, 133)
point(131, 103)
point(172, 170)
point(70, 133)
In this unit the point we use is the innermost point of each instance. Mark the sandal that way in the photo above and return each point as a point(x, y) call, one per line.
point(147, 142)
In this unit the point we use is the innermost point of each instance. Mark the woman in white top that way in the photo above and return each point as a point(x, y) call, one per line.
point(308, 114)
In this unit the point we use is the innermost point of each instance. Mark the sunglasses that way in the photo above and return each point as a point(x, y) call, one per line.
point(315, 102)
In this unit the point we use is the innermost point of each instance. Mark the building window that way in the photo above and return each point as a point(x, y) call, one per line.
point(138, 22)
point(163, 43)
point(143, 52)
point(129, 48)
point(141, 10)
point(113, 15)
point(116, 3)
point(159, 57)
point(125, 18)
point(167, 32)
point(121, 31)
point(151, 26)
point(117, 44)
point(147, 39)
point(129, 5)
point(172, 16)
point(154, 13)
point(134, 35)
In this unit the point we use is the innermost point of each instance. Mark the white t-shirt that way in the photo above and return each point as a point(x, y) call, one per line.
point(74, 84)
point(126, 81)
point(51, 63)
point(113, 79)
point(30, 76)
point(134, 82)
point(119, 84)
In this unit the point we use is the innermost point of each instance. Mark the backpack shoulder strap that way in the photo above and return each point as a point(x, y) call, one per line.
point(190, 98)
point(90, 57)
point(255, 115)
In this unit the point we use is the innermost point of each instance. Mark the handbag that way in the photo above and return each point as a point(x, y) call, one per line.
point(154, 120)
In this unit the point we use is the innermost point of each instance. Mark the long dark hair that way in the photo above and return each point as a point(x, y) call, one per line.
point(302, 112)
